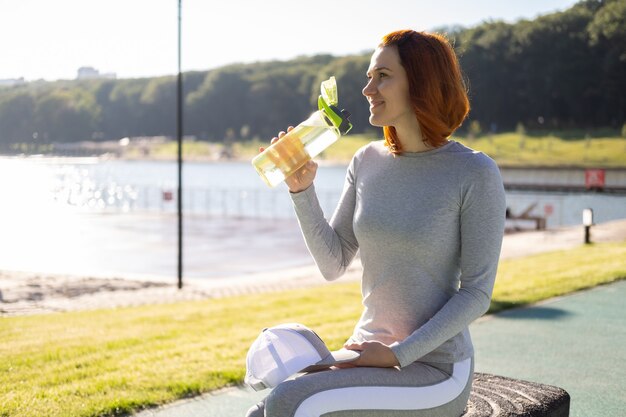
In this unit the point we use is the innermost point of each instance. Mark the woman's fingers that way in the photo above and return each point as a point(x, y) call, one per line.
point(280, 135)
point(275, 139)
point(373, 354)
point(353, 346)
point(302, 178)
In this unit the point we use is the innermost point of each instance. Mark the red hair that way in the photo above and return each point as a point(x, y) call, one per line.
point(436, 87)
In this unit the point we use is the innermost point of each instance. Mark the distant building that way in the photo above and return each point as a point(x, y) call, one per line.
point(86, 73)
point(11, 82)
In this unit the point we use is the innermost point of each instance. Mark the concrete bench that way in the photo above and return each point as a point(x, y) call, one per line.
point(497, 396)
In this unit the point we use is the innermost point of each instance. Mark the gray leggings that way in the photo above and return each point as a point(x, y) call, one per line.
point(420, 389)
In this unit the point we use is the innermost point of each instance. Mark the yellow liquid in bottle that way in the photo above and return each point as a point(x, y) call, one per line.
point(293, 150)
point(288, 154)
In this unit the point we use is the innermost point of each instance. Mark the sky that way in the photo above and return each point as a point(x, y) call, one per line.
point(51, 39)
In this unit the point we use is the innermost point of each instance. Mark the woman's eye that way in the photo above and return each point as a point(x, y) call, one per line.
point(377, 75)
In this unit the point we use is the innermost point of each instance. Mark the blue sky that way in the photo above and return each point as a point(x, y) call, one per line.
point(44, 39)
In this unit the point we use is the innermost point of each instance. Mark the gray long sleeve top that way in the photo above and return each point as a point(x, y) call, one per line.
point(429, 229)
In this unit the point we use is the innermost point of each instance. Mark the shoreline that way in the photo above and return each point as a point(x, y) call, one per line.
point(29, 293)
point(247, 158)
point(92, 159)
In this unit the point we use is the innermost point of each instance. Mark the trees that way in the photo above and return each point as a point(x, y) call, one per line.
point(607, 36)
point(218, 104)
point(158, 107)
point(17, 118)
point(487, 57)
point(565, 69)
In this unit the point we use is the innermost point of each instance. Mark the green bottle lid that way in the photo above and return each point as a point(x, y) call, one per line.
point(327, 103)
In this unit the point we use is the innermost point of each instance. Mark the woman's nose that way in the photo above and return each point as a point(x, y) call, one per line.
point(369, 88)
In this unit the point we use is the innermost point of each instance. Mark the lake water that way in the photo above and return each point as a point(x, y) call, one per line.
point(111, 217)
point(230, 189)
point(87, 216)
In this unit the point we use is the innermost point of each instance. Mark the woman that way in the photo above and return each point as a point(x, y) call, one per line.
point(427, 215)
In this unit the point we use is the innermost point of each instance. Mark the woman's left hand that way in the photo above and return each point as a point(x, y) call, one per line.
point(373, 354)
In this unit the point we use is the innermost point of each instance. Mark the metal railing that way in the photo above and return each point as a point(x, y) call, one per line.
point(223, 202)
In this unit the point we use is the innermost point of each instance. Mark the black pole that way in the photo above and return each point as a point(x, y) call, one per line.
point(179, 135)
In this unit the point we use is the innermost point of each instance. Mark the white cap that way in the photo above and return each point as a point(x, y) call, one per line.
point(283, 350)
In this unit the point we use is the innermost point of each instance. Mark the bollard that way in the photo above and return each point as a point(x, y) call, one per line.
point(587, 222)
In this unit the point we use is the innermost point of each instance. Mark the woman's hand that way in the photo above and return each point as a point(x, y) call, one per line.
point(302, 178)
point(374, 354)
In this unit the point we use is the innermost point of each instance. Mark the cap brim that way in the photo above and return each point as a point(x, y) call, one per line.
point(334, 358)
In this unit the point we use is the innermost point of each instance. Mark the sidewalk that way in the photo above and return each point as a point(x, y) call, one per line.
point(574, 342)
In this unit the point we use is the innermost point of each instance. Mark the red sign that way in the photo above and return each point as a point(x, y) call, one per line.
point(168, 196)
point(594, 178)
point(548, 209)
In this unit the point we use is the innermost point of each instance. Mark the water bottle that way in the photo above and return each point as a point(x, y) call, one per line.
point(306, 140)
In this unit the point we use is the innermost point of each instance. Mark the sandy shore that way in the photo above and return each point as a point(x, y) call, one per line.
point(23, 293)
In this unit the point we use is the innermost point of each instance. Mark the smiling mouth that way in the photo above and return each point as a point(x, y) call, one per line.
point(375, 104)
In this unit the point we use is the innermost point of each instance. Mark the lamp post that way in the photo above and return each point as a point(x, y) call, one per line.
point(587, 222)
point(179, 137)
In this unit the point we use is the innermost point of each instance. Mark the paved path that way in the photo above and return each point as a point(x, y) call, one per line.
point(530, 243)
point(574, 342)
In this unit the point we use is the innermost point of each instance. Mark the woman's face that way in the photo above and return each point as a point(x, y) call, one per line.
point(387, 89)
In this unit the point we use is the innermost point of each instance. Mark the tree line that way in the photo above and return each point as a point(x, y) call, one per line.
point(558, 71)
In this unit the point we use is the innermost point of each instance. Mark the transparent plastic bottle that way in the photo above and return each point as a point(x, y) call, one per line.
point(305, 141)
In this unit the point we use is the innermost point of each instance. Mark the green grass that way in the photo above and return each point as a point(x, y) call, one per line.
point(508, 149)
point(111, 362)
point(530, 279)
point(513, 149)
point(169, 150)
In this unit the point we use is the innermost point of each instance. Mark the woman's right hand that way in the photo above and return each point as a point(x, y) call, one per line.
point(302, 178)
